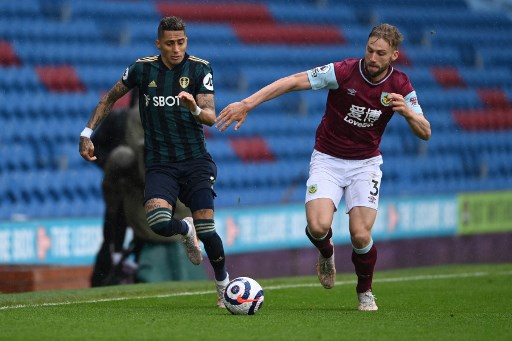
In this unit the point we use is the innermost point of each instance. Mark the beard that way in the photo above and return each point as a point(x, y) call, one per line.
point(375, 74)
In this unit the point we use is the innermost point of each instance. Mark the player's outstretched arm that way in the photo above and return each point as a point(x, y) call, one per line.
point(86, 147)
point(238, 111)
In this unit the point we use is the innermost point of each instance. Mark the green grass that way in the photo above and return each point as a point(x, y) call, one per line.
point(436, 303)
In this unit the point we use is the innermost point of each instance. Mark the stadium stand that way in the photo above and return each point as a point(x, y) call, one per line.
point(57, 58)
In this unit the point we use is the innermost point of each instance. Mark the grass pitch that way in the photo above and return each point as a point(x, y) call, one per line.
point(470, 302)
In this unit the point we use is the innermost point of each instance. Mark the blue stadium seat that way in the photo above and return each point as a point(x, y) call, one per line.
point(474, 36)
point(231, 175)
point(77, 53)
point(450, 99)
point(392, 144)
point(221, 150)
point(41, 165)
point(19, 9)
point(111, 11)
point(291, 147)
point(17, 156)
point(99, 78)
point(48, 30)
point(415, 6)
point(278, 55)
point(65, 156)
point(421, 56)
point(490, 56)
point(420, 77)
point(19, 79)
point(432, 17)
point(441, 121)
point(490, 77)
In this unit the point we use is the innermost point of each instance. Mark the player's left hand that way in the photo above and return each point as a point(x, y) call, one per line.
point(398, 104)
point(187, 100)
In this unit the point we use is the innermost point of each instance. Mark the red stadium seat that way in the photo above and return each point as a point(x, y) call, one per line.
point(495, 98)
point(220, 12)
point(448, 77)
point(251, 149)
point(288, 33)
point(485, 119)
point(7, 55)
point(60, 78)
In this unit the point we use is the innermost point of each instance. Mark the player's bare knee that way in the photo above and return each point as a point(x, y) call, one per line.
point(360, 239)
point(318, 229)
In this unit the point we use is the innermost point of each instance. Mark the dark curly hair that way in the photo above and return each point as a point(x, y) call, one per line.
point(171, 24)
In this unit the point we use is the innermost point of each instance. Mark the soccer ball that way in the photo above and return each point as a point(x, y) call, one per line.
point(243, 296)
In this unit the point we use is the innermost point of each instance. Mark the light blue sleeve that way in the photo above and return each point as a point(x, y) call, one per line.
point(323, 77)
point(412, 101)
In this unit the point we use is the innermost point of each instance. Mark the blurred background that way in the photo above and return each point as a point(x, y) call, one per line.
point(448, 200)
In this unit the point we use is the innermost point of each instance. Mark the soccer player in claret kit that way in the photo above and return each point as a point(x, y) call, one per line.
point(363, 96)
point(176, 98)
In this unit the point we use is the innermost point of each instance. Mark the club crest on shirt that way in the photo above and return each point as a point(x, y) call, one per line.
point(184, 82)
point(313, 188)
point(384, 99)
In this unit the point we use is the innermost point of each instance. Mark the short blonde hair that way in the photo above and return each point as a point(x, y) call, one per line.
point(389, 33)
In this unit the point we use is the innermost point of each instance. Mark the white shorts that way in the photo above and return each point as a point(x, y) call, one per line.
point(331, 177)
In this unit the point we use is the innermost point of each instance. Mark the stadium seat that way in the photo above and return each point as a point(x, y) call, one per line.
point(43, 29)
point(334, 14)
point(65, 156)
point(99, 79)
point(221, 150)
point(489, 56)
point(250, 149)
point(245, 12)
point(111, 11)
point(18, 157)
point(457, 59)
point(19, 9)
point(19, 79)
point(291, 147)
point(495, 77)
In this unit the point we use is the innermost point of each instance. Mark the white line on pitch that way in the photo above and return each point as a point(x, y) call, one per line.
point(270, 287)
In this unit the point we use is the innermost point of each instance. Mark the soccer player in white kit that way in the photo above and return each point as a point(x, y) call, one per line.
point(363, 96)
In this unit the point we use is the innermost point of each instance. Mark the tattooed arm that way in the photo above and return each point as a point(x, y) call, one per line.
point(101, 111)
point(207, 104)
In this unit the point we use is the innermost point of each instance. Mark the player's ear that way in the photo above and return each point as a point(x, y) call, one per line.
point(157, 44)
point(394, 55)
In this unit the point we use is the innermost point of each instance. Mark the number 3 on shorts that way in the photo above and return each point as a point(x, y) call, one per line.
point(376, 187)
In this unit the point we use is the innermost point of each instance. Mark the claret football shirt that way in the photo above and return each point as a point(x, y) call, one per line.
point(357, 110)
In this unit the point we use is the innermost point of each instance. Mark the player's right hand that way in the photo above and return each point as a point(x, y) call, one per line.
point(86, 148)
point(236, 111)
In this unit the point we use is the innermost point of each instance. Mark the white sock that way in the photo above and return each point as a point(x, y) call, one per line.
point(224, 282)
